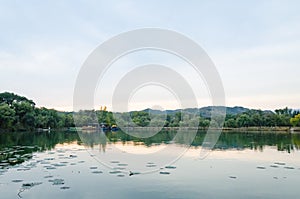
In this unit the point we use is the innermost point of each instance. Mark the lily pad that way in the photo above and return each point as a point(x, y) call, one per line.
point(49, 158)
point(97, 172)
point(114, 172)
point(164, 173)
point(59, 165)
point(289, 167)
point(57, 181)
point(261, 167)
point(119, 168)
point(122, 165)
point(30, 185)
point(64, 188)
point(151, 165)
point(16, 181)
point(48, 176)
point(170, 167)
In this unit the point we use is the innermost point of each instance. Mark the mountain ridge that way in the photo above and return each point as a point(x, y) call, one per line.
point(206, 110)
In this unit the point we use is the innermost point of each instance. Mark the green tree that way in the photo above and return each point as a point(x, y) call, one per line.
point(295, 121)
point(140, 118)
point(231, 123)
point(204, 123)
point(7, 116)
point(10, 98)
point(243, 120)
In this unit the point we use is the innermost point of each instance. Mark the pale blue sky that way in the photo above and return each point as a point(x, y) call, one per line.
point(255, 45)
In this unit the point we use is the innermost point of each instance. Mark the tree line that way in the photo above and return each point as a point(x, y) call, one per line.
point(252, 118)
point(19, 113)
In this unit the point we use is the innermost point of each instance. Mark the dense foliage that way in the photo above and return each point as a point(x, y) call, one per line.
point(20, 113)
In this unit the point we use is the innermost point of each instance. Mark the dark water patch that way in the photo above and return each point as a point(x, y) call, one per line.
point(64, 188)
point(119, 168)
point(170, 167)
point(114, 172)
point(30, 184)
point(261, 167)
point(44, 162)
point(93, 167)
point(59, 165)
point(164, 173)
point(23, 169)
point(274, 166)
point(50, 168)
point(17, 181)
point(289, 167)
point(97, 172)
point(48, 176)
point(134, 173)
point(151, 165)
point(233, 177)
point(122, 164)
point(121, 175)
point(57, 181)
point(49, 159)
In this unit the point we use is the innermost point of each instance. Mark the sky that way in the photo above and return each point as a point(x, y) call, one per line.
point(255, 46)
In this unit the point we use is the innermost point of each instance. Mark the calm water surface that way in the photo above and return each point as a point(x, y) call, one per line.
point(115, 165)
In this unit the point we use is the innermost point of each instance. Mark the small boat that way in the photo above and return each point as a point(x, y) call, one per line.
point(114, 127)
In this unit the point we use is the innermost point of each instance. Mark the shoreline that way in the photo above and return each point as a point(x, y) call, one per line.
point(224, 129)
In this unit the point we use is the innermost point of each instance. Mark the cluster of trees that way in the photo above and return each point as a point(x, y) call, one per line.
point(252, 118)
point(19, 113)
point(295, 121)
point(259, 118)
point(90, 117)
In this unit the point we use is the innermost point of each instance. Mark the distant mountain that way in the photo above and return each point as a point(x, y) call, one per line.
point(205, 111)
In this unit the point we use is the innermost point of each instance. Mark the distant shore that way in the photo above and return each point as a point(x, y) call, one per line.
point(246, 129)
point(224, 129)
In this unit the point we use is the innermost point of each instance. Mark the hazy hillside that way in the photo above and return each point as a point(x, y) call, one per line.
point(205, 111)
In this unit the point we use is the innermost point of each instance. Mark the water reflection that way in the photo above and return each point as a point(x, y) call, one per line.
point(16, 147)
point(229, 140)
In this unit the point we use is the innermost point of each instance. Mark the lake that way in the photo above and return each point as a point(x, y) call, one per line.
point(116, 165)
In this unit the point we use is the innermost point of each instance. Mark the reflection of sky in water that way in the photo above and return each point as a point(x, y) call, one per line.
point(224, 174)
